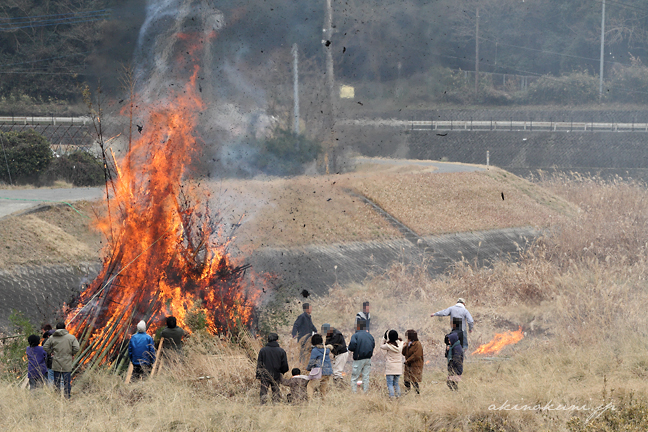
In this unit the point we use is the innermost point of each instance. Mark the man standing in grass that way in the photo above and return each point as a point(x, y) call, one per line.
point(335, 338)
point(362, 345)
point(172, 335)
point(303, 329)
point(141, 351)
point(62, 346)
point(365, 315)
point(272, 363)
point(459, 311)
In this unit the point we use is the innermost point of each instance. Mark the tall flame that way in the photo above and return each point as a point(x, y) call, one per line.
point(162, 257)
point(499, 341)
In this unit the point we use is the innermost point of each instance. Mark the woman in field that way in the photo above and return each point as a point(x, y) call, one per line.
point(413, 353)
point(393, 345)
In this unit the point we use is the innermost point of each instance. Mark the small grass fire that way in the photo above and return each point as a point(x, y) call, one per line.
point(162, 257)
point(499, 341)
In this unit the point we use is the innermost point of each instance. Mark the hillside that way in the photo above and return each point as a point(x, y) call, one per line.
point(305, 210)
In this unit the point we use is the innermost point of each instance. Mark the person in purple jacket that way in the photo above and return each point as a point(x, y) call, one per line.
point(36, 363)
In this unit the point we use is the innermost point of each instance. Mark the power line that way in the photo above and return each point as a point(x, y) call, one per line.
point(624, 4)
point(47, 16)
point(46, 59)
point(47, 25)
point(554, 53)
point(53, 20)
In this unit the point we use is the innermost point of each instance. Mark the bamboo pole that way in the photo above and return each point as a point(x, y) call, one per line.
point(129, 373)
point(158, 357)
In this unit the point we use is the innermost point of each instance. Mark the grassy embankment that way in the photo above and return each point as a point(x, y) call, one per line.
point(579, 295)
point(313, 210)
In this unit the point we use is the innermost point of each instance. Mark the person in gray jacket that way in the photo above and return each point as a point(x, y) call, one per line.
point(459, 311)
point(63, 347)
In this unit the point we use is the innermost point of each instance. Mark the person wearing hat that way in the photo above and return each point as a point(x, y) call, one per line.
point(457, 312)
point(141, 351)
point(272, 363)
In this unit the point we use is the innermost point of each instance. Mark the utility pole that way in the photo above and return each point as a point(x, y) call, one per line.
point(330, 81)
point(602, 52)
point(295, 54)
point(477, 54)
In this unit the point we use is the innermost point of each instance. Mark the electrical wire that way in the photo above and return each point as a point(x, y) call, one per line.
point(48, 25)
point(45, 59)
point(53, 20)
point(47, 16)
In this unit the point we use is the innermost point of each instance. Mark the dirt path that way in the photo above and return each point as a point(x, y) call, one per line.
point(20, 200)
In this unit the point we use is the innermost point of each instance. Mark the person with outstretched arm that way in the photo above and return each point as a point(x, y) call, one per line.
point(459, 311)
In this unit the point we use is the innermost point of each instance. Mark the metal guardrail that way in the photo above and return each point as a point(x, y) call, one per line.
point(516, 126)
point(45, 120)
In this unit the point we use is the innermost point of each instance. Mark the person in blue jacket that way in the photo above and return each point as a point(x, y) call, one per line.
point(320, 358)
point(141, 351)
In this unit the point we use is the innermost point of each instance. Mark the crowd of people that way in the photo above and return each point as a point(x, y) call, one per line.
point(321, 359)
point(323, 356)
point(50, 358)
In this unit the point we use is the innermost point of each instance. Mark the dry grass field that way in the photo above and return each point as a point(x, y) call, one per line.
point(308, 210)
point(57, 235)
point(580, 296)
point(315, 210)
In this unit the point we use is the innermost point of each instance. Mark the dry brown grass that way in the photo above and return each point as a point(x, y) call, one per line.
point(431, 203)
point(57, 235)
point(582, 314)
point(315, 210)
point(297, 211)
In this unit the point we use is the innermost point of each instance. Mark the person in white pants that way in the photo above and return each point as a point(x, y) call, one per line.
point(336, 338)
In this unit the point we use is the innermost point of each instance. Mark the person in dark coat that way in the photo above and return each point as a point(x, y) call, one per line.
point(272, 363)
point(413, 353)
point(36, 363)
point(47, 332)
point(340, 352)
point(362, 345)
point(454, 354)
point(303, 329)
point(172, 335)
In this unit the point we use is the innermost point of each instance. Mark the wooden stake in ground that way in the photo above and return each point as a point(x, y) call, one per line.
point(158, 357)
point(129, 373)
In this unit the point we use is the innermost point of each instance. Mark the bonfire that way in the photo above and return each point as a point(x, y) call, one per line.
point(165, 255)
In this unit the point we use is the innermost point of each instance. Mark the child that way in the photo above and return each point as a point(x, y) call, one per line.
point(297, 385)
point(393, 362)
point(455, 354)
point(413, 353)
point(36, 363)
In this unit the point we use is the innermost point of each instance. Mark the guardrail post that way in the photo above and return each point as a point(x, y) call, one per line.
point(531, 124)
point(491, 123)
point(471, 124)
point(511, 124)
point(450, 124)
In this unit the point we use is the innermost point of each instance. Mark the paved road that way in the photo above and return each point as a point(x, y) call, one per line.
point(441, 167)
point(20, 200)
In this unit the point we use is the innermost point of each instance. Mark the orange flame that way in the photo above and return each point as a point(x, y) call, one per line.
point(499, 341)
point(162, 257)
